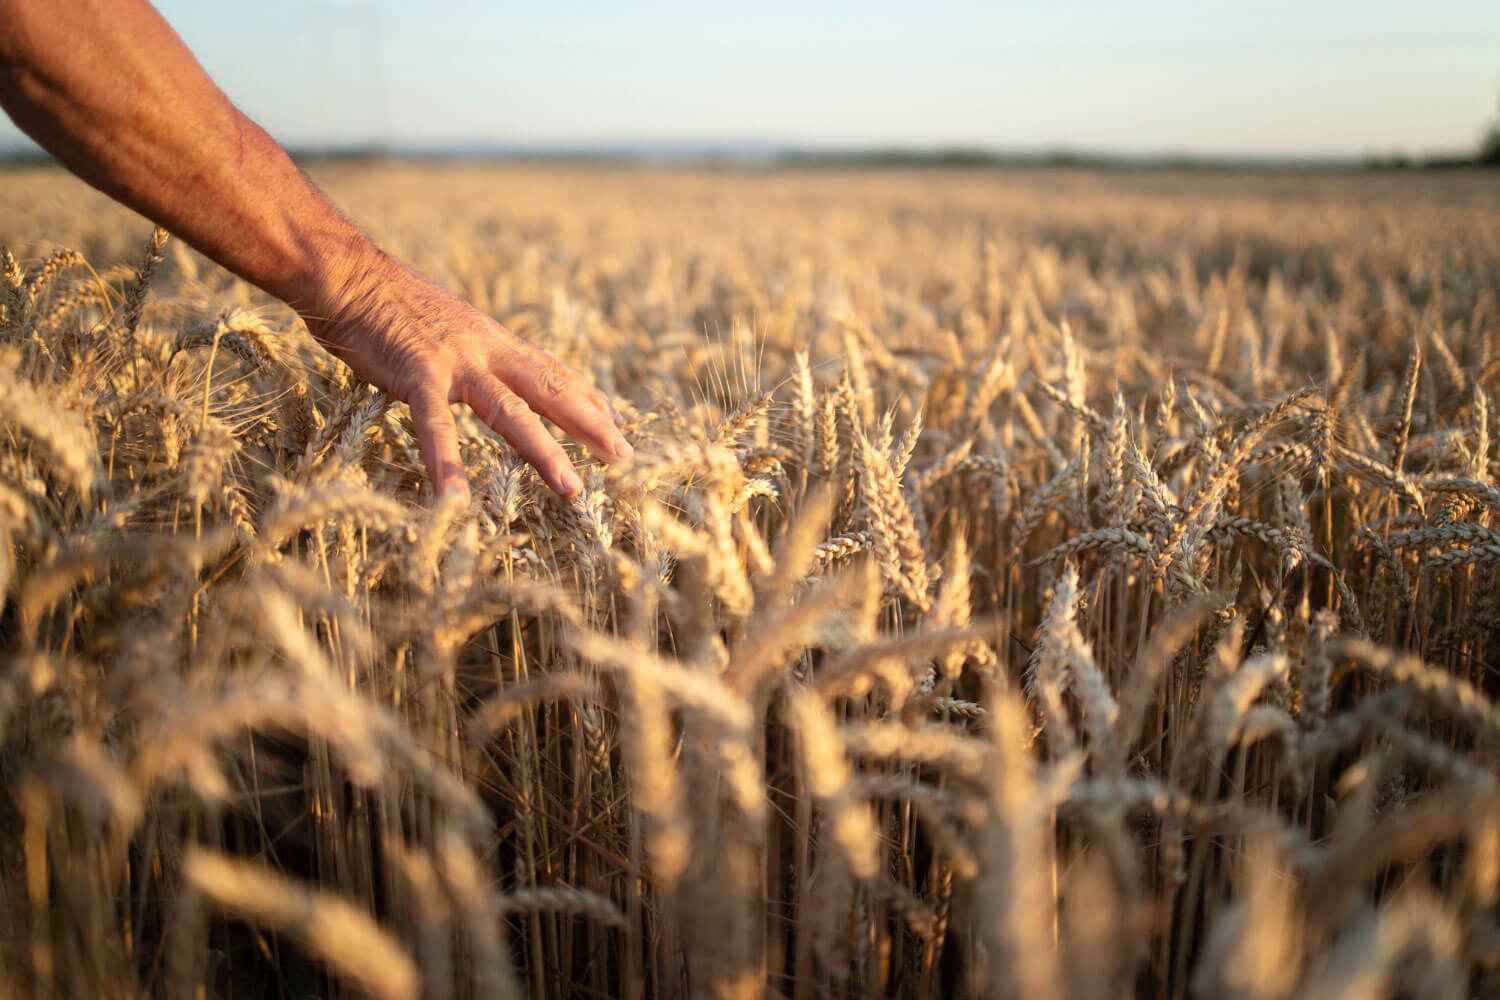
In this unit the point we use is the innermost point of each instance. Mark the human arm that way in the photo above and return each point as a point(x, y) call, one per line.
point(109, 89)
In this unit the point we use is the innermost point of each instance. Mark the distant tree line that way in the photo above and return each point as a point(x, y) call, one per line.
point(1489, 146)
point(1489, 149)
point(1487, 155)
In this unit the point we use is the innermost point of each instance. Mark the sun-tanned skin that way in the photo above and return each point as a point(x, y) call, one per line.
point(109, 89)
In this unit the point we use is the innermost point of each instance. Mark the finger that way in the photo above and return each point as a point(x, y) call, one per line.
point(561, 394)
point(513, 420)
point(598, 398)
point(602, 401)
point(438, 439)
point(591, 391)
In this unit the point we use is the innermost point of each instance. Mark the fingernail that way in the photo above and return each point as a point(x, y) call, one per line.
point(570, 482)
point(619, 417)
point(622, 448)
point(455, 488)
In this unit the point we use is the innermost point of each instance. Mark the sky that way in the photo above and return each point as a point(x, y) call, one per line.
point(1273, 78)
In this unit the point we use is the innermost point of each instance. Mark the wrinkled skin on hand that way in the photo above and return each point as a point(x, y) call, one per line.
point(429, 349)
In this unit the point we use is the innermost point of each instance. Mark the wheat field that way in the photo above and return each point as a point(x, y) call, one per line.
point(1036, 584)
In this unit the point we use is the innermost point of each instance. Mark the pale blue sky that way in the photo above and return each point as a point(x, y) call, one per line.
point(1272, 77)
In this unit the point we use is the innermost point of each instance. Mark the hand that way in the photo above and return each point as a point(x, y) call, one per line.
point(429, 349)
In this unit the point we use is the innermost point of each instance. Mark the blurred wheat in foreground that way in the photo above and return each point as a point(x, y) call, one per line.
point(1027, 586)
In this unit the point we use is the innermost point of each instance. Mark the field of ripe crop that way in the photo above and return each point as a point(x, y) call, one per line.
point(1032, 585)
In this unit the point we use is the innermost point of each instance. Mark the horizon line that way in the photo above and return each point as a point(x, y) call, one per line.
point(770, 152)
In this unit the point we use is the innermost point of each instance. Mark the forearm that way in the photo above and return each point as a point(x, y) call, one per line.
point(109, 89)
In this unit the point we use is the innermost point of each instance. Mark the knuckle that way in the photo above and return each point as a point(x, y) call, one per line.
point(506, 354)
point(555, 380)
point(513, 408)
